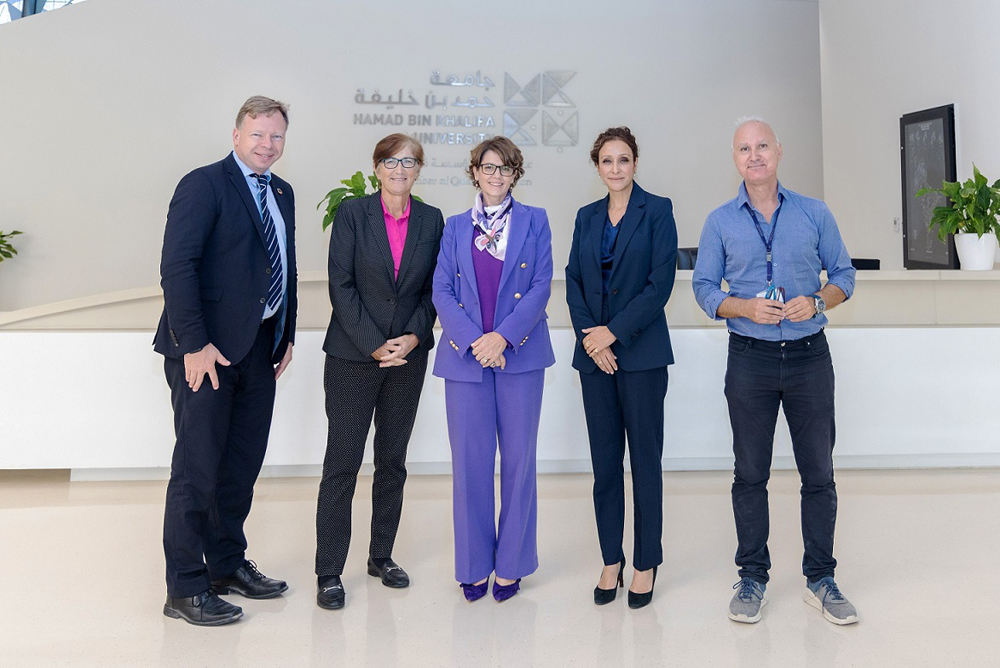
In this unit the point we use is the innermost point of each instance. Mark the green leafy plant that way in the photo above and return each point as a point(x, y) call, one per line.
point(356, 187)
point(974, 206)
point(6, 250)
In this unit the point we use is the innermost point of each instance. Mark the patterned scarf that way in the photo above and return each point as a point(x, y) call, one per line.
point(492, 228)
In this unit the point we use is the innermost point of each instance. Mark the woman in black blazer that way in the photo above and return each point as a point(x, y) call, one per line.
point(620, 274)
point(383, 250)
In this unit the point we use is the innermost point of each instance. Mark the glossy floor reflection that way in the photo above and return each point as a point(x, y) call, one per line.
point(83, 578)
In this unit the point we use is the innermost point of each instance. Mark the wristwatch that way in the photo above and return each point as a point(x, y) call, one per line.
point(819, 303)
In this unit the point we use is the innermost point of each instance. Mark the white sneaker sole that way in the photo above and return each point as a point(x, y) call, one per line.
point(813, 600)
point(746, 619)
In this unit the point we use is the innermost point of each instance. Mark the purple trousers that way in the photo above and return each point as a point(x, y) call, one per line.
point(504, 408)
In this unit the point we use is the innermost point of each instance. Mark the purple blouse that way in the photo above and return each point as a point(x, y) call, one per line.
point(488, 270)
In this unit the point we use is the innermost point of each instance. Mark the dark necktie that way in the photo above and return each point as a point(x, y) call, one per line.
point(271, 239)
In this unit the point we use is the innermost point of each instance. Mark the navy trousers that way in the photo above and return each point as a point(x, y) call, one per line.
point(221, 440)
point(628, 403)
point(797, 376)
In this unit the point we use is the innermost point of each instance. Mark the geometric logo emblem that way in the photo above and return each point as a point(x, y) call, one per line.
point(515, 95)
point(556, 133)
point(553, 82)
point(514, 121)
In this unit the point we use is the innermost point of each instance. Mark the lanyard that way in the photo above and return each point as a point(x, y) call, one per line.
point(767, 242)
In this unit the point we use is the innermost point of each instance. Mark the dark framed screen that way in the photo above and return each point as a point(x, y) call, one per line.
point(927, 148)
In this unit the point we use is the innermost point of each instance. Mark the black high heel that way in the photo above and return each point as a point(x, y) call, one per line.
point(605, 596)
point(636, 601)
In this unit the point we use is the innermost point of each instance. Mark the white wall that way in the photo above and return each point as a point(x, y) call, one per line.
point(119, 98)
point(882, 59)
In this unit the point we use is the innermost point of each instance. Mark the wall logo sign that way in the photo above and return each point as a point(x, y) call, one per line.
point(543, 93)
point(464, 110)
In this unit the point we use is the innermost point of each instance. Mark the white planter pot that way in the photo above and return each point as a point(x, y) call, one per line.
point(976, 253)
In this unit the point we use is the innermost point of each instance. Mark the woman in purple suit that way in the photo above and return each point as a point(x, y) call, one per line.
point(491, 286)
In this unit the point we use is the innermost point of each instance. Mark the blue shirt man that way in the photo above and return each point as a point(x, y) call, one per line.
point(770, 245)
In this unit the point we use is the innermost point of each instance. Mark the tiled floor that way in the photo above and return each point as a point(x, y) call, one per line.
point(82, 574)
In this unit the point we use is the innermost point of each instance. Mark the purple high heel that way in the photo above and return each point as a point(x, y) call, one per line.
point(475, 592)
point(502, 592)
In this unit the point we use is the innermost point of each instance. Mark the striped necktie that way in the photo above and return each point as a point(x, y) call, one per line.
point(271, 238)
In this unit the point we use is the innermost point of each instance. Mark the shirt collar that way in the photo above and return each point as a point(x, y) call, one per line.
point(743, 199)
point(385, 211)
point(247, 172)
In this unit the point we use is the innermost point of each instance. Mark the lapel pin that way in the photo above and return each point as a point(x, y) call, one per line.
point(279, 191)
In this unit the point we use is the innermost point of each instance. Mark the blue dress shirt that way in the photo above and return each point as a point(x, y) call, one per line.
point(608, 242)
point(806, 241)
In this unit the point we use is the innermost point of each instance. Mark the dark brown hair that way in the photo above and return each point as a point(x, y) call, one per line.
point(388, 146)
point(508, 151)
point(257, 105)
point(621, 133)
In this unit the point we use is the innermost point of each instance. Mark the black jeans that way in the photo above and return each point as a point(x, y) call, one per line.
point(798, 376)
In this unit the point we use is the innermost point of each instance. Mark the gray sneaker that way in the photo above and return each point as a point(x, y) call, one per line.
point(825, 596)
point(747, 601)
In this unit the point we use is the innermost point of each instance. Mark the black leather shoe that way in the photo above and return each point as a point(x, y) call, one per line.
point(204, 609)
point(330, 595)
point(249, 582)
point(636, 601)
point(392, 575)
point(605, 596)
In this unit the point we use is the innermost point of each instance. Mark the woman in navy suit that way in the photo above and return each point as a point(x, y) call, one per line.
point(491, 285)
point(620, 274)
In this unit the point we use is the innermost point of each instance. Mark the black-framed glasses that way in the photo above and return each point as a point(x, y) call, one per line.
point(407, 163)
point(489, 169)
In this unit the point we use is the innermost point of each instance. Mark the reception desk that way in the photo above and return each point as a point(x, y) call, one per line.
point(914, 353)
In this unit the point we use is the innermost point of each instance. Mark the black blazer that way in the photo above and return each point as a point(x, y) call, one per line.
point(642, 278)
point(214, 266)
point(370, 306)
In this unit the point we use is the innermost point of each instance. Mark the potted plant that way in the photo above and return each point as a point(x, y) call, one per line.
point(972, 218)
point(6, 250)
point(355, 187)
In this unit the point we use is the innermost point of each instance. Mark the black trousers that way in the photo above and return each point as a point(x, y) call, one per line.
point(355, 391)
point(628, 403)
point(221, 440)
point(798, 376)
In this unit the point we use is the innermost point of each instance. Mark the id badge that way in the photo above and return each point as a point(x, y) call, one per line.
point(773, 292)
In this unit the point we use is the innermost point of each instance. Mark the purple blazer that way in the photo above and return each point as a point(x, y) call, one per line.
point(525, 286)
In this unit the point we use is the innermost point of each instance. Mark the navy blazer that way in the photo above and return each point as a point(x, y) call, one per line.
point(642, 277)
point(370, 304)
point(215, 269)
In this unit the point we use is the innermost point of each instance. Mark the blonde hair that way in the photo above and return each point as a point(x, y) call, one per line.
point(257, 105)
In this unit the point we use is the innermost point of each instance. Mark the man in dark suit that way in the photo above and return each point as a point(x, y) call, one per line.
point(229, 289)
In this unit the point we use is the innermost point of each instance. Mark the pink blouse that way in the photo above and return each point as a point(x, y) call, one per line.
point(395, 229)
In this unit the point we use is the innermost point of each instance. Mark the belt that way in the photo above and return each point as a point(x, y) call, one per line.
point(777, 345)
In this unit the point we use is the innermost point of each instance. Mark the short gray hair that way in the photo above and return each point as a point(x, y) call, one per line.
point(743, 120)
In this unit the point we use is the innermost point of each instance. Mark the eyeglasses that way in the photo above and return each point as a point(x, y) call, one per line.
point(490, 169)
point(407, 163)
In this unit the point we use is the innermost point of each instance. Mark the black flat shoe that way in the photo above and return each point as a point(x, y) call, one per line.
point(204, 609)
point(330, 594)
point(390, 572)
point(249, 582)
point(636, 601)
point(605, 596)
